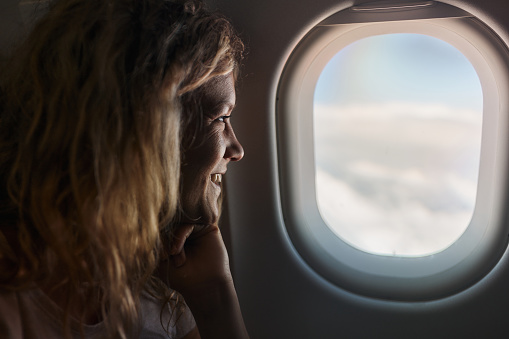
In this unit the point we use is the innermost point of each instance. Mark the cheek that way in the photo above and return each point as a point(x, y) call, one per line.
point(212, 150)
point(199, 195)
point(201, 162)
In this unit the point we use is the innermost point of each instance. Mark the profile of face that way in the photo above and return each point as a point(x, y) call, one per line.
point(205, 164)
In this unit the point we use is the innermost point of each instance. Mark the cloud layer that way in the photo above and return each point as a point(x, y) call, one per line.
point(397, 178)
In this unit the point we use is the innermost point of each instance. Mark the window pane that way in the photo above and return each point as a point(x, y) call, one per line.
point(397, 128)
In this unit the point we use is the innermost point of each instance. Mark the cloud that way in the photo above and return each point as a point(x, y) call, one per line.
point(397, 178)
point(400, 110)
point(407, 228)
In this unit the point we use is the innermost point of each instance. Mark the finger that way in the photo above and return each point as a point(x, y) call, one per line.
point(179, 259)
point(201, 230)
point(179, 238)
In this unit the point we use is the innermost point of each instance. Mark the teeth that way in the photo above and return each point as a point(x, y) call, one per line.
point(216, 178)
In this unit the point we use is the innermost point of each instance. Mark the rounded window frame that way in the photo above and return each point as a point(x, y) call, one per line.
point(480, 247)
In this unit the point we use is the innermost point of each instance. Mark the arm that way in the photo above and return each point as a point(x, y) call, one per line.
point(199, 269)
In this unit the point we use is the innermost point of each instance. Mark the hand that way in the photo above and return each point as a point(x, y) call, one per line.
point(197, 259)
point(199, 269)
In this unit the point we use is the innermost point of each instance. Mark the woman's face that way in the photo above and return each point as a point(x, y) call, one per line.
point(205, 164)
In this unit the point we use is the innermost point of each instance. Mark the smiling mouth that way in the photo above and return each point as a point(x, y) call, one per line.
point(217, 178)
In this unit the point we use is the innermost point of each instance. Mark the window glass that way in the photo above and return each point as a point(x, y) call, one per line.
point(397, 135)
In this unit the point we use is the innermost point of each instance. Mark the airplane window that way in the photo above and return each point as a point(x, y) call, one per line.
point(397, 138)
point(392, 150)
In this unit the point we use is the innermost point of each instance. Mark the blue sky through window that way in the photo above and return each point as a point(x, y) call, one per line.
point(397, 128)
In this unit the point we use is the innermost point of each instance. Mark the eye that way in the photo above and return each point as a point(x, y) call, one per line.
point(223, 118)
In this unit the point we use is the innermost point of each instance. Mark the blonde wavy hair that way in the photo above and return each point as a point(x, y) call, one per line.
point(91, 114)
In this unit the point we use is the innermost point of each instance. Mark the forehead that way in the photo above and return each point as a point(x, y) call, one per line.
point(218, 90)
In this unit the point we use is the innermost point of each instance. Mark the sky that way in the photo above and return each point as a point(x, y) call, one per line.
point(397, 130)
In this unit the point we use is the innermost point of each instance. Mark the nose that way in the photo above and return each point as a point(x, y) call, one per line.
point(234, 150)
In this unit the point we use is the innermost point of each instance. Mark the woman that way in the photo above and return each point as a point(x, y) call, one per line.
point(114, 136)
